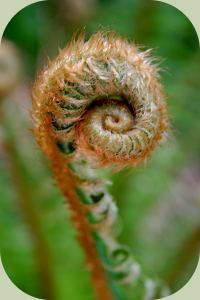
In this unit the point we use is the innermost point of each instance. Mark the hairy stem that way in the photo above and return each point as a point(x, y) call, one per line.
point(67, 185)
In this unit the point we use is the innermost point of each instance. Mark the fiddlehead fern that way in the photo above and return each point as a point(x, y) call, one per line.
point(99, 104)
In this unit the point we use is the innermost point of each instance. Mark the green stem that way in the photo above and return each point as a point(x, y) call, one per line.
point(29, 213)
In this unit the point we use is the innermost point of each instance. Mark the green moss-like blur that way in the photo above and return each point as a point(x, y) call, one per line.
point(159, 204)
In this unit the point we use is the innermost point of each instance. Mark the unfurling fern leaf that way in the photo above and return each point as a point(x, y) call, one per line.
point(99, 104)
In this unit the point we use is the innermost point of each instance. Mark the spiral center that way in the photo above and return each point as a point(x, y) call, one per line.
point(117, 118)
point(113, 117)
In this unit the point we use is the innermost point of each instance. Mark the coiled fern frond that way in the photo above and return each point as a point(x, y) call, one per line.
point(99, 104)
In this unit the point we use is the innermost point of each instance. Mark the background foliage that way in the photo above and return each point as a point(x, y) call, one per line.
point(159, 204)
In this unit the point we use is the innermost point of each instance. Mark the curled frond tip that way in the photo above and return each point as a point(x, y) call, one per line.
point(102, 99)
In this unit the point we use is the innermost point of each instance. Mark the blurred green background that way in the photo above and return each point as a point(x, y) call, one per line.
point(159, 204)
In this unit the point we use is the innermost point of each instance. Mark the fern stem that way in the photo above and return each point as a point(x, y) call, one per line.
point(67, 185)
point(99, 104)
point(26, 207)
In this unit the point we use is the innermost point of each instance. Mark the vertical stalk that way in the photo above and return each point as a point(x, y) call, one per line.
point(67, 185)
point(30, 216)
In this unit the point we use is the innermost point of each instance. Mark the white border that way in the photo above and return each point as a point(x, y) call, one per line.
point(7, 10)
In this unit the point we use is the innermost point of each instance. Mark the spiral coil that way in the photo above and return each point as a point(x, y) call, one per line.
point(102, 104)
